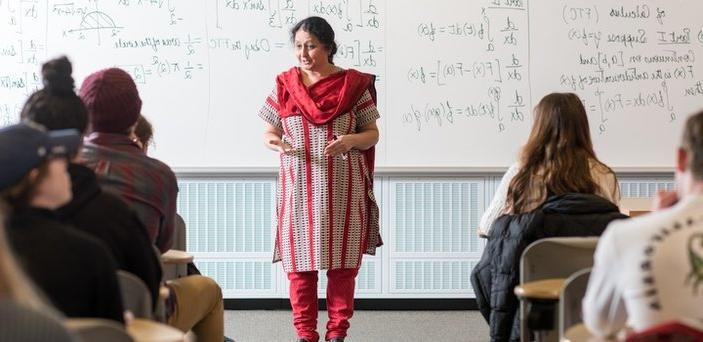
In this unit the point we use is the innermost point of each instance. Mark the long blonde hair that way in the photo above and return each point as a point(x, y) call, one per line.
point(13, 283)
point(559, 150)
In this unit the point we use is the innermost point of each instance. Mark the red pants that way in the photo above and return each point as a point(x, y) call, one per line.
point(340, 302)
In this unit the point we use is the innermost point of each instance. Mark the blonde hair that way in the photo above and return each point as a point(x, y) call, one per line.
point(13, 283)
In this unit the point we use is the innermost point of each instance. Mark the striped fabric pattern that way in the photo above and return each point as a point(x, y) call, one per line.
point(323, 220)
point(146, 184)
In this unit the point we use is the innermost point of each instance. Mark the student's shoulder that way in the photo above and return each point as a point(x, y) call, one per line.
point(160, 167)
point(598, 168)
point(111, 202)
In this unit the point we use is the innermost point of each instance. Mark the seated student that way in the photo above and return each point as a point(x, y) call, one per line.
point(649, 270)
point(73, 269)
point(553, 192)
point(122, 167)
point(143, 136)
point(91, 210)
point(558, 158)
point(23, 315)
point(113, 106)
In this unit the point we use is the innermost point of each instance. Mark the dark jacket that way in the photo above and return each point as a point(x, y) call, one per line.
point(109, 219)
point(73, 269)
point(498, 272)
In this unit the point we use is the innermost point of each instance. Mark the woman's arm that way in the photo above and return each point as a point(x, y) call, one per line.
point(363, 140)
point(273, 139)
point(497, 206)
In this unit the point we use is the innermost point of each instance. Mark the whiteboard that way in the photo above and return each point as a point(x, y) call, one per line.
point(457, 80)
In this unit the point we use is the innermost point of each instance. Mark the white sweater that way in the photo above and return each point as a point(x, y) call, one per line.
point(607, 188)
point(648, 270)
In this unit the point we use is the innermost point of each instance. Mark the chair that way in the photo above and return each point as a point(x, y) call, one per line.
point(175, 261)
point(20, 323)
point(97, 329)
point(179, 235)
point(144, 330)
point(570, 313)
point(539, 263)
point(135, 295)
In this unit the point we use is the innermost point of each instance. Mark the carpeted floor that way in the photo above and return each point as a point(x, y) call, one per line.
point(366, 326)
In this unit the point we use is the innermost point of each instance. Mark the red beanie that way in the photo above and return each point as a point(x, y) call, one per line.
point(112, 100)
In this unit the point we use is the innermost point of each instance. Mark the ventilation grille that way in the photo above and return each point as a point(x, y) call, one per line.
point(433, 276)
point(231, 216)
point(239, 275)
point(437, 216)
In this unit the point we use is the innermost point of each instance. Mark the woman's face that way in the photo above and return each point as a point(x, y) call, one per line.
point(312, 55)
point(54, 189)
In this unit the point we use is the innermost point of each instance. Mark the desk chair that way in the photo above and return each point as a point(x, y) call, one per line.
point(20, 323)
point(175, 261)
point(544, 267)
point(142, 330)
point(570, 313)
point(136, 297)
point(635, 213)
point(179, 237)
point(97, 329)
point(635, 206)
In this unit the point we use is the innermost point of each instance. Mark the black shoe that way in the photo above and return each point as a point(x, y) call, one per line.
point(227, 339)
point(337, 339)
point(303, 340)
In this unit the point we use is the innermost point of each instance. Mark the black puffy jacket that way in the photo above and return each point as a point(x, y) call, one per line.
point(498, 271)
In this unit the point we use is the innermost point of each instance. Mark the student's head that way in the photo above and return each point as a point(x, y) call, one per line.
point(143, 133)
point(561, 124)
point(689, 163)
point(313, 40)
point(559, 149)
point(57, 106)
point(112, 100)
point(33, 166)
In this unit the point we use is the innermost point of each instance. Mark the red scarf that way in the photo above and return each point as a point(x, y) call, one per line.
point(326, 99)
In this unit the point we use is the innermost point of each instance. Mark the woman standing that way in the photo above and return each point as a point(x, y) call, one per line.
point(322, 120)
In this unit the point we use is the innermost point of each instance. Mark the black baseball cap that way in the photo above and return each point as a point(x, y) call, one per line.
point(25, 146)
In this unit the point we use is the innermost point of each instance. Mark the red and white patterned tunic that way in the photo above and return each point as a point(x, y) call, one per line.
point(323, 220)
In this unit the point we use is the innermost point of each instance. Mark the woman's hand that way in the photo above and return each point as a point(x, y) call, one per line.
point(280, 146)
point(273, 139)
point(339, 145)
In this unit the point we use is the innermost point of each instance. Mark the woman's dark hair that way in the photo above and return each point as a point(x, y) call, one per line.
point(144, 131)
point(559, 149)
point(319, 28)
point(57, 106)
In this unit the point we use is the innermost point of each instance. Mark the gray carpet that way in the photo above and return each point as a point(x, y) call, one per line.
point(366, 326)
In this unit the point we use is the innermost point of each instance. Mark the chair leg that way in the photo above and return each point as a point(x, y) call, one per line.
point(540, 319)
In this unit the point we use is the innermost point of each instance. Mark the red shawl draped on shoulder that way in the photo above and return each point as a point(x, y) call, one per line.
point(326, 99)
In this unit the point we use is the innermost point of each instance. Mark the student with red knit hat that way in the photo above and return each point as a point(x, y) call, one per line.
point(147, 184)
point(113, 105)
